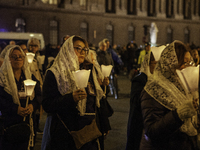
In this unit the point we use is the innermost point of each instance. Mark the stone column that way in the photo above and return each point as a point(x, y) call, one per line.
point(178, 9)
point(143, 11)
point(195, 6)
point(162, 13)
point(122, 10)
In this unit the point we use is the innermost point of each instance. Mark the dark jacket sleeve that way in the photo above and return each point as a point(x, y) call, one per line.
point(6, 102)
point(135, 121)
point(53, 101)
point(159, 122)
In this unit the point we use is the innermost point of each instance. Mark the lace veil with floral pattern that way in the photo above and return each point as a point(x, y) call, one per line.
point(166, 87)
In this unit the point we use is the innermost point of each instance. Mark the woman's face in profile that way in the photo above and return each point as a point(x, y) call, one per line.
point(16, 59)
point(79, 48)
point(187, 61)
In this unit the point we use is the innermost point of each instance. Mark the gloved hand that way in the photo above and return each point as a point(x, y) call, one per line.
point(186, 110)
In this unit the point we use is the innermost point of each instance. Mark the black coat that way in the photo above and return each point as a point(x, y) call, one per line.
point(161, 127)
point(135, 121)
point(56, 135)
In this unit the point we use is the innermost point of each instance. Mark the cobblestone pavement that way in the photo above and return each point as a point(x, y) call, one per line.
point(116, 139)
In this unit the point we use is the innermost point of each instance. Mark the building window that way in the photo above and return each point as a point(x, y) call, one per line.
point(141, 5)
point(199, 8)
point(25, 2)
point(54, 32)
point(110, 6)
point(84, 30)
point(20, 25)
point(109, 33)
point(151, 7)
point(177, 6)
point(131, 7)
point(169, 35)
point(195, 7)
point(131, 33)
point(187, 9)
point(169, 8)
point(186, 35)
point(160, 6)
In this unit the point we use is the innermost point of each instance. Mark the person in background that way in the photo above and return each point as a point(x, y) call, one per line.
point(70, 108)
point(12, 104)
point(33, 45)
point(64, 39)
point(103, 57)
point(167, 108)
point(135, 121)
point(143, 53)
point(132, 59)
point(23, 46)
point(105, 110)
point(12, 43)
point(124, 56)
point(195, 56)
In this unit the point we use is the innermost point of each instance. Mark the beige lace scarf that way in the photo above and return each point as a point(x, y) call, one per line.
point(7, 79)
point(166, 87)
point(66, 62)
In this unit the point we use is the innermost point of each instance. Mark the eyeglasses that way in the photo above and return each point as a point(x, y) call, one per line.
point(80, 50)
point(15, 57)
point(191, 63)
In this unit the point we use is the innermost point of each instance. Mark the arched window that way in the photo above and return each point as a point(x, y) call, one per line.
point(20, 25)
point(109, 33)
point(151, 7)
point(169, 35)
point(131, 7)
point(54, 32)
point(169, 8)
point(84, 30)
point(110, 6)
point(186, 35)
point(131, 33)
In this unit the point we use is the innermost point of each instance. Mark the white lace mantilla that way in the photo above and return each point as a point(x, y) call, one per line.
point(166, 87)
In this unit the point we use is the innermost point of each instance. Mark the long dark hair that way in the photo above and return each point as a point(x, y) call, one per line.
point(180, 49)
point(78, 38)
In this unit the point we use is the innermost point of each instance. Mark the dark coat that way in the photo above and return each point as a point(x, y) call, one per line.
point(161, 127)
point(104, 58)
point(135, 121)
point(9, 112)
point(56, 135)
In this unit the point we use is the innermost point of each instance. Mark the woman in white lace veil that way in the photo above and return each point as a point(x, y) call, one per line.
point(13, 72)
point(174, 103)
point(62, 97)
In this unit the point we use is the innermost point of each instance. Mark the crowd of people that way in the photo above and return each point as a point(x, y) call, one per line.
point(78, 118)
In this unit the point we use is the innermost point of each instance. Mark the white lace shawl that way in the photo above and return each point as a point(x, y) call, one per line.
point(7, 79)
point(145, 65)
point(166, 87)
point(65, 62)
